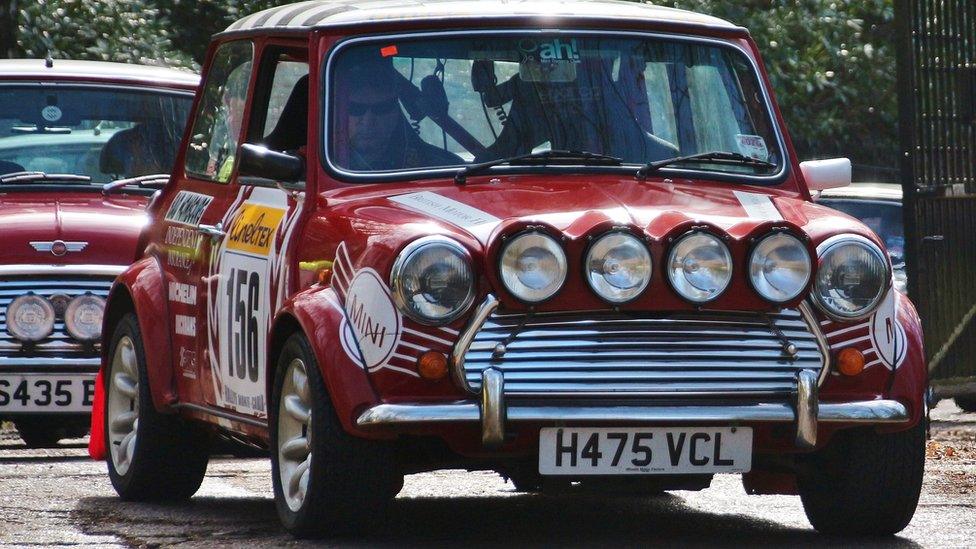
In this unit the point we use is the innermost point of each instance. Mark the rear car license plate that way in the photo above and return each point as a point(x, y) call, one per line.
point(46, 393)
point(644, 451)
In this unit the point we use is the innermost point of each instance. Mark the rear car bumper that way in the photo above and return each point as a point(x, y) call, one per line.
point(494, 413)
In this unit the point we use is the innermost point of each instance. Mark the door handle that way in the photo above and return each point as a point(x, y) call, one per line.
point(213, 231)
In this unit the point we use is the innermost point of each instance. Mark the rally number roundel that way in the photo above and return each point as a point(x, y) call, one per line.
point(372, 320)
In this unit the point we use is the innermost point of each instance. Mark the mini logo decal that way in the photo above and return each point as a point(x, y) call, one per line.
point(58, 248)
point(372, 318)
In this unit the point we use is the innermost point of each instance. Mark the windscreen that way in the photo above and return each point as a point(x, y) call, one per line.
point(415, 103)
point(104, 133)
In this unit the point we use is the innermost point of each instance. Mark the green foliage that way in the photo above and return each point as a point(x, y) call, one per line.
point(831, 62)
point(832, 66)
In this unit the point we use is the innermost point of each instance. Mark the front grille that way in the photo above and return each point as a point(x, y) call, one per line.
point(59, 344)
point(676, 355)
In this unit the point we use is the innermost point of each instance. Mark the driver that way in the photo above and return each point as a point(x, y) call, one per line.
point(377, 134)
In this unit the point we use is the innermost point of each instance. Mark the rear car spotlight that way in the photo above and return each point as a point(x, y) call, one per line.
point(30, 318)
point(83, 317)
point(699, 267)
point(618, 267)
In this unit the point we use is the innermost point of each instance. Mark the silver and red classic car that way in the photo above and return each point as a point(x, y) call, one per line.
point(566, 241)
point(68, 128)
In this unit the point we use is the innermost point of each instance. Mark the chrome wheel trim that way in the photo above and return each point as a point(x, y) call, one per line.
point(122, 407)
point(294, 425)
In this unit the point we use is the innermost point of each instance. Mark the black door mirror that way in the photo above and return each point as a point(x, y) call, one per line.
point(259, 161)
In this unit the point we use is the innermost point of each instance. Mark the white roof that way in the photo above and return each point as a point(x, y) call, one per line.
point(320, 13)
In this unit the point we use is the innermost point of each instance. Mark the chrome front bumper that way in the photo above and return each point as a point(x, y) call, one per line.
point(493, 413)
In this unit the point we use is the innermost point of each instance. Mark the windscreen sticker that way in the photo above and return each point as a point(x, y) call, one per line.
point(476, 221)
point(758, 206)
point(188, 207)
point(51, 113)
point(753, 146)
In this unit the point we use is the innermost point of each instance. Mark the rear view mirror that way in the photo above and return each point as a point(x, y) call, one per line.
point(826, 174)
point(259, 161)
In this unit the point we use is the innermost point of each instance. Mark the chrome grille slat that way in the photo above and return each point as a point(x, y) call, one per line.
point(593, 354)
point(59, 344)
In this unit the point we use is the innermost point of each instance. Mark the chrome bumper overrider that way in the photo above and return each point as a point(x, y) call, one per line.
point(493, 413)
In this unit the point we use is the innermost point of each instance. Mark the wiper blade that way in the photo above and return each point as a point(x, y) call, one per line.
point(719, 157)
point(42, 177)
point(540, 158)
point(151, 181)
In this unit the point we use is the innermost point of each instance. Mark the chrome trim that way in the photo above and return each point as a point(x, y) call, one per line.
point(33, 269)
point(806, 410)
point(463, 343)
point(403, 417)
point(814, 325)
point(492, 408)
point(325, 130)
point(396, 279)
point(835, 240)
point(49, 362)
point(215, 232)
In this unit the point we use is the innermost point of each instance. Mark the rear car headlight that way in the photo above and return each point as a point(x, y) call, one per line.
point(83, 317)
point(30, 318)
point(852, 277)
point(779, 267)
point(618, 267)
point(699, 267)
point(433, 281)
point(533, 266)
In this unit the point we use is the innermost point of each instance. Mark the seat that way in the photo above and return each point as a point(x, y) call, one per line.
point(10, 167)
point(291, 131)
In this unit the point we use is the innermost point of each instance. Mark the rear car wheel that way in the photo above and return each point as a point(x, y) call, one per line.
point(325, 481)
point(152, 456)
point(967, 403)
point(864, 483)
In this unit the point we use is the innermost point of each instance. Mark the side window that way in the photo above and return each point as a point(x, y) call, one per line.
point(280, 114)
point(217, 124)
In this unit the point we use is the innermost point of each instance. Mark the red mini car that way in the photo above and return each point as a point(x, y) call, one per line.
point(68, 128)
point(566, 241)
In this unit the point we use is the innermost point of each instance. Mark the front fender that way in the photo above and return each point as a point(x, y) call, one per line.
point(141, 289)
point(909, 381)
point(320, 317)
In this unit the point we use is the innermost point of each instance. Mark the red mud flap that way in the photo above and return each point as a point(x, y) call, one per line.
point(96, 443)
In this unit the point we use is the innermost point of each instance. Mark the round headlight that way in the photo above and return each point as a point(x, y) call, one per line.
point(700, 267)
point(852, 277)
point(30, 318)
point(618, 267)
point(533, 267)
point(83, 317)
point(432, 280)
point(779, 267)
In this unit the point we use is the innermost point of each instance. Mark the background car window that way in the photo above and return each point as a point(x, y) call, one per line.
point(104, 133)
point(217, 124)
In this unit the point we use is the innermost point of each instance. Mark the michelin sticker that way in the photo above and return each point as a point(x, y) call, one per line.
point(477, 222)
point(370, 331)
point(188, 207)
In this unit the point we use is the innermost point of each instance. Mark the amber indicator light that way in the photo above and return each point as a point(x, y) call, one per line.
point(850, 361)
point(432, 365)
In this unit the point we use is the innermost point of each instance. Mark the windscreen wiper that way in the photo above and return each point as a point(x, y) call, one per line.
point(717, 157)
point(540, 158)
point(151, 181)
point(42, 177)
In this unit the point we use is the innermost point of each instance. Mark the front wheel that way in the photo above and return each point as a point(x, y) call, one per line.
point(325, 481)
point(864, 483)
point(152, 456)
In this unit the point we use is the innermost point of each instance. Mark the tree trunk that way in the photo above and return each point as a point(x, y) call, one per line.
point(9, 12)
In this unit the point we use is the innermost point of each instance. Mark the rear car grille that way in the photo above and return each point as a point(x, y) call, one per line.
point(59, 344)
point(675, 355)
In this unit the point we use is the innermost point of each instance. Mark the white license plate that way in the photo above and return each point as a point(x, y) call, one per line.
point(644, 451)
point(46, 393)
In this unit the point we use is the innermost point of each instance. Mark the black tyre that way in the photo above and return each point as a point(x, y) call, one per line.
point(967, 403)
point(41, 431)
point(151, 456)
point(864, 483)
point(325, 481)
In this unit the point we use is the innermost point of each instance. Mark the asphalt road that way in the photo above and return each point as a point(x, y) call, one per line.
point(60, 497)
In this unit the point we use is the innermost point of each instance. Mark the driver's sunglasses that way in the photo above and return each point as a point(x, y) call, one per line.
point(383, 107)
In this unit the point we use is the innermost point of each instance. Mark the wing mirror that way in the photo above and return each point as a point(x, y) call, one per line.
point(260, 161)
point(826, 174)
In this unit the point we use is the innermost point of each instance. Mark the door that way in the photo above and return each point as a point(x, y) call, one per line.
point(937, 102)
